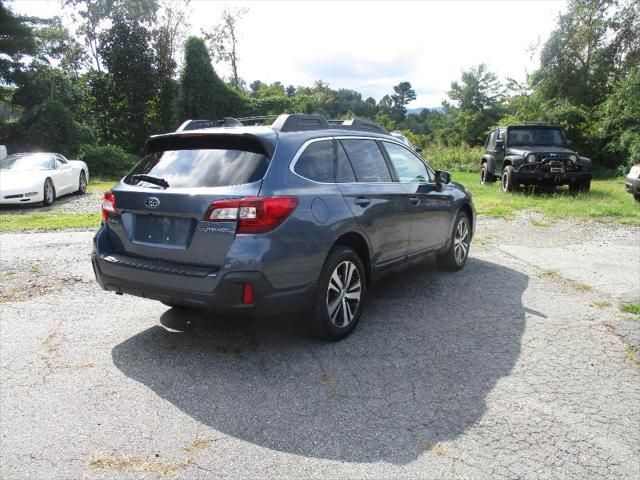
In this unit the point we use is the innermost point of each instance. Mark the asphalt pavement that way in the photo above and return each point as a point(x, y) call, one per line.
point(510, 368)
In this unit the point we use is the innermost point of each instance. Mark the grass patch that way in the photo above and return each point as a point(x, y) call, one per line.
point(582, 287)
point(601, 304)
point(551, 274)
point(101, 184)
point(198, 444)
point(633, 308)
point(136, 464)
point(435, 448)
point(633, 354)
point(40, 221)
point(607, 201)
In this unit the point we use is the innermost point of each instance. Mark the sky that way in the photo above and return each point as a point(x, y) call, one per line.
point(370, 46)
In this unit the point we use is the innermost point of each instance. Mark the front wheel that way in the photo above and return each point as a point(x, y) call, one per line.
point(455, 257)
point(509, 183)
point(485, 175)
point(637, 197)
point(341, 290)
point(49, 193)
point(82, 184)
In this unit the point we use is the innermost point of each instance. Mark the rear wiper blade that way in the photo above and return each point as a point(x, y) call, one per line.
point(151, 179)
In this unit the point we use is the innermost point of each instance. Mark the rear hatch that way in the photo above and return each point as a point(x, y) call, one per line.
point(160, 205)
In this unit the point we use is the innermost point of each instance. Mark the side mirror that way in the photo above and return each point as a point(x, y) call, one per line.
point(418, 149)
point(442, 177)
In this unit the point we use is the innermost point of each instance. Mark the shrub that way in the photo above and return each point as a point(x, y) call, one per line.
point(107, 160)
point(462, 158)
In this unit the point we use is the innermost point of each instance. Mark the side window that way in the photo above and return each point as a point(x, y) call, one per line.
point(316, 162)
point(344, 170)
point(61, 159)
point(410, 169)
point(491, 144)
point(367, 160)
point(501, 135)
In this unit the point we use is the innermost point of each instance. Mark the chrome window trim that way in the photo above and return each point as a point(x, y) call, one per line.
point(304, 146)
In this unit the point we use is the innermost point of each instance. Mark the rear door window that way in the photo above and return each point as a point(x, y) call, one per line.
point(316, 162)
point(344, 171)
point(366, 158)
point(201, 168)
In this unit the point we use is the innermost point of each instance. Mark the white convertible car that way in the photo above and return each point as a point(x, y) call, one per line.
point(40, 177)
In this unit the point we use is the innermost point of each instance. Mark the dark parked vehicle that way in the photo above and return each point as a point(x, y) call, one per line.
point(533, 154)
point(632, 183)
point(301, 214)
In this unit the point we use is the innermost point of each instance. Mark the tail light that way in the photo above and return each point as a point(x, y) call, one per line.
point(252, 214)
point(108, 205)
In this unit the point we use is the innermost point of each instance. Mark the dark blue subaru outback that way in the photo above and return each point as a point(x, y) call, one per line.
point(302, 214)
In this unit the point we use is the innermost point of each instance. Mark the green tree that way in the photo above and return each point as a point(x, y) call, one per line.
point(223, 42)
point(130, 84)
point(475, 105)
point(202, 93)
point(167, 38)
point(404, 94)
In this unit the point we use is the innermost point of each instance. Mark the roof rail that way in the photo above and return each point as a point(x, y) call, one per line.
point(366, 125)
point(295, 122)
point(199, 124)
point(298, 122)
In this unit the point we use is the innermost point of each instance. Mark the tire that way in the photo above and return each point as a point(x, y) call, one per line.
point(575, 187)
point(340, 296)
point(509, 183)
point(455, 257)
point(82, 184)
point(636, 196)
point(585, 186)
point(49, 193)
point(485, 175)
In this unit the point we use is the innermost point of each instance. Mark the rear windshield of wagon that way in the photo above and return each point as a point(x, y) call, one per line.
point(201, 161)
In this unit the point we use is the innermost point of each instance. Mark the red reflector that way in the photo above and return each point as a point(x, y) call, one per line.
point(247, 294)
point(108, 205)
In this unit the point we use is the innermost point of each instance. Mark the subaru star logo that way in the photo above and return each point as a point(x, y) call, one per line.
point(151, 202)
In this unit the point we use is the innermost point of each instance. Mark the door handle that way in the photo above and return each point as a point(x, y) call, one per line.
point(362, 201)
point(414, 199)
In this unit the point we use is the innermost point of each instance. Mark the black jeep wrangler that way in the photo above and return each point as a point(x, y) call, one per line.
point(533, 154)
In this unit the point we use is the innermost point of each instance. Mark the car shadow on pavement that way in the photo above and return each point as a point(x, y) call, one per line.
point(429, 349)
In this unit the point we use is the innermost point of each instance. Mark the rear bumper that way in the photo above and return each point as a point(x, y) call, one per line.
point(556, 178)
point(212, 289)
point(223, 295)
point(632, 185)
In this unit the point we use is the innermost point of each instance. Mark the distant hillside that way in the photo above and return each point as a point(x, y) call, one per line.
point(418, 111)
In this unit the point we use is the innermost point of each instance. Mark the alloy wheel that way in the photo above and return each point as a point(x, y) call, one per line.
point(343, 294)
point(48, 192)
point(461, 241)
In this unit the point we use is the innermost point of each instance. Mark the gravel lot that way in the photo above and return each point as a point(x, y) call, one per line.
point(512, 368)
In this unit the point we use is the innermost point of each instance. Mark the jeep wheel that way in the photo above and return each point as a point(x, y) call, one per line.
point(509, 183)
point(341, 290)
point(575, 187)
point(585, 186)
point(485, 175)
point(637, 197)
point(456, 255)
